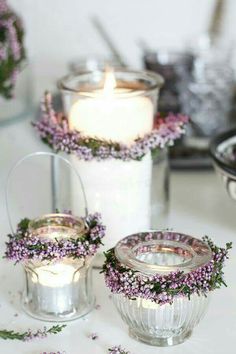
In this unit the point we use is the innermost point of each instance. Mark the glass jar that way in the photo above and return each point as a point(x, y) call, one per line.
point(58, 290)
point(117, 106)
point(206, 97)
point(161, 254)
point(172, 65)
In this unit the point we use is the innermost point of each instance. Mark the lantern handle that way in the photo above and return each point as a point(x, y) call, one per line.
point(26, 157)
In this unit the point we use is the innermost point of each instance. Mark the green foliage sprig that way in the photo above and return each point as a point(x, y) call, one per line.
point(29, 335)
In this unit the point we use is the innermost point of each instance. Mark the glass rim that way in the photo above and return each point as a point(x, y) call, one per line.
point(200, 253)
point(79, 227)
point(149, 75)
point(171, 54)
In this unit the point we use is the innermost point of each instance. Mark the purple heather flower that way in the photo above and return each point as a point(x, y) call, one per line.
point(3, 7)
point(39, 334)
point(11, 48)
point(117, 350)
point(93, 336)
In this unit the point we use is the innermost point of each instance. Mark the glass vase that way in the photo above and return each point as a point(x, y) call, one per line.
point(117, 106)
point(163, 324)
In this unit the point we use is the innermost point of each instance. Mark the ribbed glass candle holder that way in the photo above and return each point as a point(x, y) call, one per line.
point(167, 323)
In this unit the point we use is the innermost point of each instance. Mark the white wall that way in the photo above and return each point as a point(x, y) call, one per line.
point(60, 30)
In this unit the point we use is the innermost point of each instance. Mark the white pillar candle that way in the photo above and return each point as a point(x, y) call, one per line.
point(53, 288)
point(120, 190)
point(112, 114)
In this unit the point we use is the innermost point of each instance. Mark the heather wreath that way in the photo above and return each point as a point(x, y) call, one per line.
point(12, 52)
point(23, 246)
point(53, 129)
point(162, 289)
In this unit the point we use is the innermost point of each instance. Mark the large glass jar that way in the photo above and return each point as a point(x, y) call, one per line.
point(58, 290)
point(117, 106)
point(167, 323)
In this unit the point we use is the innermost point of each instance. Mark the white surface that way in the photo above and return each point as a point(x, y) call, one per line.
point(199, 206)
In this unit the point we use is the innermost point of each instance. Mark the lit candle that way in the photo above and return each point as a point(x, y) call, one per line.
point(53, 288)
point(59, 288)
point(119, 190)
point(112, 114)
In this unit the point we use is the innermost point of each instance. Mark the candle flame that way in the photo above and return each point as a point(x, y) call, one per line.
point(109, 83)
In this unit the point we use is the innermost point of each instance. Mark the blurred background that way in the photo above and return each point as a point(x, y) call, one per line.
point(58, 31)
point(190, 42)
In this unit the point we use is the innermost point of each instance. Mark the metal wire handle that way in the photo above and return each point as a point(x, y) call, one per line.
point(39, 153)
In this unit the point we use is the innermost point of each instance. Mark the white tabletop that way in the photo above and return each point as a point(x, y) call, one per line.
point(199, 206)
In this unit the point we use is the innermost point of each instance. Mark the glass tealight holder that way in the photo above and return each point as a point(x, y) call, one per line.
point(58, 290)
point(57, 248)
point(169, 323)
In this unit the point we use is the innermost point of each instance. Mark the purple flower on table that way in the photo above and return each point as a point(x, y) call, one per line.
point(117, 350)
point(93, 336)
point(39, 334)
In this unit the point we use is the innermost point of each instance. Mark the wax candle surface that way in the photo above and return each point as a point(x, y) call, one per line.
point(54, 275)
point(112, 114)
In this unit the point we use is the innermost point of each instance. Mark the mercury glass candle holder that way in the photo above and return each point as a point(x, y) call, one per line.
point(206, 96)
point(154, 255)
point(172, 65)
point(223, 153)
point(58, 290)
point(117, 106)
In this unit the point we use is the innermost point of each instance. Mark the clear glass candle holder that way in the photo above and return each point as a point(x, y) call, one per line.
point(58, 290)
point(170, 323)
point(117, 106)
